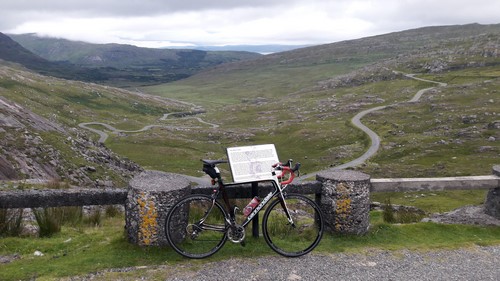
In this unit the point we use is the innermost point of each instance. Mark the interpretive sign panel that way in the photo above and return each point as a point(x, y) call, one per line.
point(252, 163)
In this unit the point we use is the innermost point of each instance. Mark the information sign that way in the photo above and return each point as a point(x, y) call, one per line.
point(252, 163)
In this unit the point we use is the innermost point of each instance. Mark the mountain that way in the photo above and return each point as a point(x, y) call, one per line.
point(422, 49)
point(14, 52)
point(126, 65)
point(36, 148)
point(261, 49)
point(41, 149)
point(303, 100)
point(375, 48)
point(39, 134)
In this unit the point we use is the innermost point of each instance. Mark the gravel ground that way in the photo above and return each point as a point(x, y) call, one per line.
point(474, 263)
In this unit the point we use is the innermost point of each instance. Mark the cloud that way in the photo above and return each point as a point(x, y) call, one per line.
point(167, 22)
point(120, 8)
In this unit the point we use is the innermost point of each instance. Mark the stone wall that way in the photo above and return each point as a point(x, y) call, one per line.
point(343, 196)
point(61, 197)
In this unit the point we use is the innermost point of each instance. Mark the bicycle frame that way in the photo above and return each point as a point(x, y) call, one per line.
point(277, 192)
point(282, 227)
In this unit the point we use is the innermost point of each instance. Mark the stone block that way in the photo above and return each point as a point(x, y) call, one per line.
point(150, 197)
point(492, 203)
point(345, 201)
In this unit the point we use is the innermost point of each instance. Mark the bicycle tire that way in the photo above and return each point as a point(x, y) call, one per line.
point(190, 238)
point(297, 240)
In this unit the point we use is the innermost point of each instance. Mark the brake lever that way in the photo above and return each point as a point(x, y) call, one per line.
point(296, 168)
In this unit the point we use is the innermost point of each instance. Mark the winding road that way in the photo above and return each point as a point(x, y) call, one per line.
point(374, 138)
point(356, 121)
point(103, 136)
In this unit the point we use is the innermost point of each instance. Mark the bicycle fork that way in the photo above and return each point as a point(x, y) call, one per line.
point(281, 197)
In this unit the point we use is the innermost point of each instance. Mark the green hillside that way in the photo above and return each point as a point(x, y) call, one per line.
point(13, 52)
point(303, 101)
point(127, 65)
point(40, 136)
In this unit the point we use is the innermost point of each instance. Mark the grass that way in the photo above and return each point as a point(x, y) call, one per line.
point(77, 252)
point(442, 134)
point(307, 123)
point(424, 139)
point(432, 201)
point(417, 236)
point(81, 250)
point(10, 222)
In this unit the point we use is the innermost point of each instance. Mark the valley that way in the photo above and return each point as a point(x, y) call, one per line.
point(303, 101)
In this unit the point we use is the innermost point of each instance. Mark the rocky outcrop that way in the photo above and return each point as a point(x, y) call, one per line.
point(33, 147)
point(473, 215)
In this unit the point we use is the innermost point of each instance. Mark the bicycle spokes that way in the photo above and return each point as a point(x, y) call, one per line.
point(195, 227)
point(300, 236)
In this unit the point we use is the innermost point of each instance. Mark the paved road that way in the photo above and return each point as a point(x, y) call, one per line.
point(374, 138)
point(103, 136)
point(475, 263)
point(356, 121)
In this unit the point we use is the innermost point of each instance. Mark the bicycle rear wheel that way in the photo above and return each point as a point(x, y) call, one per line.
point(297, 239)
point(195, 228)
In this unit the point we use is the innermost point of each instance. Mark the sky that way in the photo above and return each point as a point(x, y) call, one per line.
point(164, 23)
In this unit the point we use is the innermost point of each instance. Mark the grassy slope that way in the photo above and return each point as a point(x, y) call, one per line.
point(277, 99)
point(70, 103)
point(300, 119)
point(126, 65)
point(446, 134)
point(291, 99)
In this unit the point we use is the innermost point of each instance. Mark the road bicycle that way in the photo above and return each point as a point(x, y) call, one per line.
point(198, 225)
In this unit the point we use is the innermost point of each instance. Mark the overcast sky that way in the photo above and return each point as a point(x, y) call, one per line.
point(155, 23)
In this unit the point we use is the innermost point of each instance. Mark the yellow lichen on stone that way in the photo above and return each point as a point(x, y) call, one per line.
point(343, 206)
point(148, 224)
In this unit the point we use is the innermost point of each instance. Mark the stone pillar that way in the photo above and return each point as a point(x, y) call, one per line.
point(345, 201)
point(492, 203)
point(151, 195)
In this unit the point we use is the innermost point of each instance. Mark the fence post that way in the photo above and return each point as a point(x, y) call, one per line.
point(345, 201)
point(151, 195)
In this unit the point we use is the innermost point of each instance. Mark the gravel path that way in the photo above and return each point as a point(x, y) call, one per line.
point(474, 263)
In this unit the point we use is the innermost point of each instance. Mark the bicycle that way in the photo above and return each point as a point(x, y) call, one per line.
point(198, 225)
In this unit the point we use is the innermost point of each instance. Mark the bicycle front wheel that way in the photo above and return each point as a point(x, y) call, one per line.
point(195, 227)
point(297, 238)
